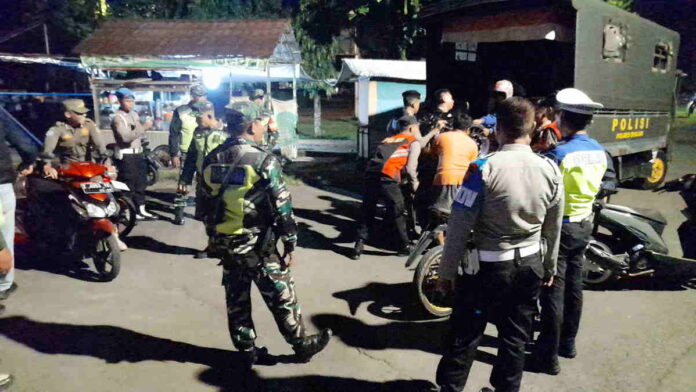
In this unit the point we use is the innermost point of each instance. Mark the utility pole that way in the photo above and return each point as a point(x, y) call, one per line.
point(48, 50)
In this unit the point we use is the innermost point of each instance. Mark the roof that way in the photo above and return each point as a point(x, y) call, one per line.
point(258, 38)
point(353, 69)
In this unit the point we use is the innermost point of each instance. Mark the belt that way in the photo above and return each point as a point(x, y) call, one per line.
point(492, 256)
point(576, 219)
point(130, 150)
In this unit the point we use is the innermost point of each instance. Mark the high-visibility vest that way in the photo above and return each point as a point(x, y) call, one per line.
point(391, 156)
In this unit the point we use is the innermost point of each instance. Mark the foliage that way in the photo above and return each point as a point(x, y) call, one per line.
point(624, 4)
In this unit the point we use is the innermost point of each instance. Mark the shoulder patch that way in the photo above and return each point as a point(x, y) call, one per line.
point(472, 185)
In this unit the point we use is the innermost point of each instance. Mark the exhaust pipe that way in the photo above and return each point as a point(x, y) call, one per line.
point(606, 260)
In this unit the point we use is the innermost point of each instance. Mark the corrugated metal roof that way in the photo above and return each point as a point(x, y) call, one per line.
point(257, 38)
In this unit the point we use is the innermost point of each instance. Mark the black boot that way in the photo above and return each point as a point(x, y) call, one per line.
point(568, 351)
point(358, 249)
point(538, 365)
point(311, 345)
point(253, 355)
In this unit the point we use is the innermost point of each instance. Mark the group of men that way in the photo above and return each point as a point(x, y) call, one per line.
point(518, 206)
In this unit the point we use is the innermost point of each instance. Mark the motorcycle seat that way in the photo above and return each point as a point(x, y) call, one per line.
point(645, 213)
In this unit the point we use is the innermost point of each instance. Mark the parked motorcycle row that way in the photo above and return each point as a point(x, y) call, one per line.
point(627, 243)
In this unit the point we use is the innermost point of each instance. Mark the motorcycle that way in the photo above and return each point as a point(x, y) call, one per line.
point(77, 223)
point(686, 186)
point(153, 164)
point(631, 245)
point(428, 253)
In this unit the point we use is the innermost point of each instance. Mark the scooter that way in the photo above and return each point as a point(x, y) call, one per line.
point(627, 243)
point(77, 223)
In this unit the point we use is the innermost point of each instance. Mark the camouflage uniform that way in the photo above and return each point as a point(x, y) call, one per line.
point(255, 211)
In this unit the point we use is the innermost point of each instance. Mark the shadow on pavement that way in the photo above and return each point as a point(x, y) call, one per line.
point(228, 382)
point(153, 245)
point(422, 336)
point(227, 370)
point(28, 256)
point(389, 301)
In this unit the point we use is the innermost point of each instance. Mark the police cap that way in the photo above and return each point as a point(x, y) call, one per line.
point(574, 100)
point(125, 93)
point(75, 105)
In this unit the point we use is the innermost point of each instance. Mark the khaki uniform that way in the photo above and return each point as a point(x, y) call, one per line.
point(74, 144)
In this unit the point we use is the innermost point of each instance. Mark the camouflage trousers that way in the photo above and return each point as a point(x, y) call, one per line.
point(277, 289)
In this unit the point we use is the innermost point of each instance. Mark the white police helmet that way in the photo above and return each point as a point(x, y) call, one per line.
point(574, 100)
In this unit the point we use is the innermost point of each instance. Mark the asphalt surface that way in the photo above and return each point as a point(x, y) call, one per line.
point(161, 325)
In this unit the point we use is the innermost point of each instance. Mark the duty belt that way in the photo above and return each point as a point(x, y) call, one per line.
point(120, 152)
point(492, 256)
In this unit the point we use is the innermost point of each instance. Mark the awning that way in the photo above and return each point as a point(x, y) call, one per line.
point(354, 69)
point(528, 25)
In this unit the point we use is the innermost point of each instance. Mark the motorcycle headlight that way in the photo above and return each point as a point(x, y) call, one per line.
point(94, 211)
point(112, 209)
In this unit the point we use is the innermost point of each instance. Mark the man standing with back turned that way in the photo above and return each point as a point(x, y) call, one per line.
point(583, 163)
point(512, 200)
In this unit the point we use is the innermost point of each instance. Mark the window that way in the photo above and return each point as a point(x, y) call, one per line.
point(615, 42)
point(465, 51)
point(661, 59)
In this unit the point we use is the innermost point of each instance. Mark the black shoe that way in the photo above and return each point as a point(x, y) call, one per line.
point(537, 365)
point(203, 254)
point(405, 251)
point(5, 294)
point(179, 221)
point(568, 351)
point(311, 345)
point(357, 249)
point(486, 389)
point(252, 355)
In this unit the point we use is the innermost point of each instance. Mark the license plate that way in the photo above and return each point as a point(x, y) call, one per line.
point(96, 187)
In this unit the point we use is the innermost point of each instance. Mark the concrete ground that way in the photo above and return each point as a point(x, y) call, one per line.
point(161, 325)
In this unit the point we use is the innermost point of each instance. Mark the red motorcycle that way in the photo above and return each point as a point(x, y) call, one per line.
point(73, 216)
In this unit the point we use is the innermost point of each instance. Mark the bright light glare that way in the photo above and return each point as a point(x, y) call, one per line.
point(551, 35)
point(212, 78)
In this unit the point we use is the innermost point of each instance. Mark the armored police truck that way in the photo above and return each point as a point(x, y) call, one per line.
point(626, 62)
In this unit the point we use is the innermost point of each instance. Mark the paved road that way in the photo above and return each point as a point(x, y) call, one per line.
point(160, 326)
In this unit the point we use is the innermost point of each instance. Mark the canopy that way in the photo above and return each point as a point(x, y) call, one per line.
point(354, 69)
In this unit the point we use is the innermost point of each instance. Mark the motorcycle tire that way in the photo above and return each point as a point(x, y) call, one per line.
point(125, 220)
point(152, 175)
point(107, 258)
point(424, 281)
point(592, 274)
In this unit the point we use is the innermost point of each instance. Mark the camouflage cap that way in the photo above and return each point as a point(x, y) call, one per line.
point(198, 90)
point(75, 105)
point(202, 107)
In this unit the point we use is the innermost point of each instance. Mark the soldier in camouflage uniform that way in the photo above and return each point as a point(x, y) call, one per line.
point(248, 208)
point(209, 134)
point(252, 109)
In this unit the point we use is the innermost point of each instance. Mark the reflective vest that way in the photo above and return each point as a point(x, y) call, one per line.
point(206, 141)
point(391, 156)
point(188, 126)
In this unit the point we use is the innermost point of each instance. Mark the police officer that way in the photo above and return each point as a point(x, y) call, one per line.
point(248, 208)
point(513, 201)
point(76, 138)
point(502, 90)
point(183, 124)
point(583, 163)
point(208, 135)
point(383, 178)
point(130, 160)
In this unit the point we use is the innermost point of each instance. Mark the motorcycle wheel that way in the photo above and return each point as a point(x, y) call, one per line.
point(152, 175)
point(593, 274)
point(125, 220)
point(161, 154)
point(107, 258)
point(425, 280)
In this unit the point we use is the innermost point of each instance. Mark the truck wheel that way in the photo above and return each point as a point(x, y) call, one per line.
point(659, 172)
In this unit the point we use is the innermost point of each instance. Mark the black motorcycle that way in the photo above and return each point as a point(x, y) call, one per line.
point(686, 186)
point(627, 243)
